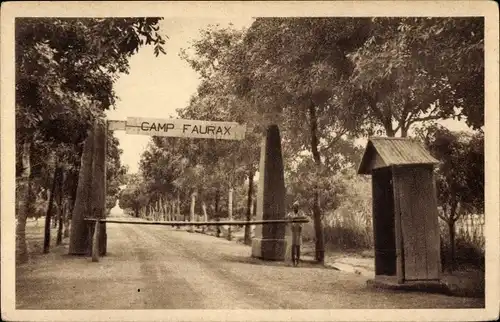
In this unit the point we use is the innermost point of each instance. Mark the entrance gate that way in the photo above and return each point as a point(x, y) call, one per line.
point(269, 242)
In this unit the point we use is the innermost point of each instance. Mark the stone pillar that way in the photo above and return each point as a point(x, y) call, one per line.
point(269, 240)
point(78, 238)
point(98, 193)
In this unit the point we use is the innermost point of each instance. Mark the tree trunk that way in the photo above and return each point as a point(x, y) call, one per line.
point(216, 206)
point(451, 233)
point(60, 208)
point(191, 211)
point(389, 131)
point(230, 211)
point(60, 226)
point(216, 212)
point(179, 206)
point(48, 215)
point(205, 215)
point(78, 243)
point(70, 188)
point(162, 214)
point(167, 210)
point(178, 209)
point(451, 230)
point(404, 131)
point(55, 219)
point(171, 210)
point(318, 226)
point(68, 206)
point(248, 233)
point(22, 197)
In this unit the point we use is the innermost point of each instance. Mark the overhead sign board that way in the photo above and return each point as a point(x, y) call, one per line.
point(185, 128)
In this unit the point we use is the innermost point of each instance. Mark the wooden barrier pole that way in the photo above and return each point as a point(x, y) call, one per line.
point(201, 223)
point(95, 242)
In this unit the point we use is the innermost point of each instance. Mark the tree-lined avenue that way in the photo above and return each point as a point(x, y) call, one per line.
point(153, 267)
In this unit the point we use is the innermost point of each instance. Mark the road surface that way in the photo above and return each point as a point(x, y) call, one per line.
point(158, 267)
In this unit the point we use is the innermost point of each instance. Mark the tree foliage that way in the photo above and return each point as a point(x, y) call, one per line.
point(411, 70)
point(134, 196)
point(65, 71)
point(459, 176)
point(325, 82)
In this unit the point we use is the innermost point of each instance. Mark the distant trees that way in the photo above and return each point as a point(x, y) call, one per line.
point(325, 82)
point(134, 195)
point(115, 171)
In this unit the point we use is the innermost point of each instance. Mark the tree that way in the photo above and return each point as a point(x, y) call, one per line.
point(65, 69)
point(133, 197)
point(115, 172)
point(295, 68)
point(459, 176)
point(212, 56)
point(411, 70)
point(284, 68)
point(453, 48)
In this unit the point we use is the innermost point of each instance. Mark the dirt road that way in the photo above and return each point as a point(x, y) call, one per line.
point(157, 267)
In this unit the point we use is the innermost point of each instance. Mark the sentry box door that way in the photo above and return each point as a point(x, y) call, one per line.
point(419, 223)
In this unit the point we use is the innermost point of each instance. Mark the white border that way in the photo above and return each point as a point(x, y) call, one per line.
point(488, 9)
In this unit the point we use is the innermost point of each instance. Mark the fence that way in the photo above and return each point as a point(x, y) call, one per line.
point(471, 228)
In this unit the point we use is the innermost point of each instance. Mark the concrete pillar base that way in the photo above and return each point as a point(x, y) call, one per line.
point(269, 249)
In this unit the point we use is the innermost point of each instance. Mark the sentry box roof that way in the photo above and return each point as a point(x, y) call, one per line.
point(384, 152)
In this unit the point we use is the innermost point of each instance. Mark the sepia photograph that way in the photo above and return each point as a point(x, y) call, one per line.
point(250, 161)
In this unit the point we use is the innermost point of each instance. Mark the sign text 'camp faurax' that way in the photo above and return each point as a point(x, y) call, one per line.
point(185, 128)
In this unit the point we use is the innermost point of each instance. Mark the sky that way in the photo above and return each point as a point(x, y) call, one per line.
point(156, 86)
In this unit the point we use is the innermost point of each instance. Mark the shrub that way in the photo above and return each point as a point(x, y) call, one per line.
point(469, 246)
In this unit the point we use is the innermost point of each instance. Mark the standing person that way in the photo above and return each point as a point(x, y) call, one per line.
point(296, 234)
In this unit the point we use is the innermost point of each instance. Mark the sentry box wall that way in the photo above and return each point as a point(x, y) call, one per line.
point(405, 218)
